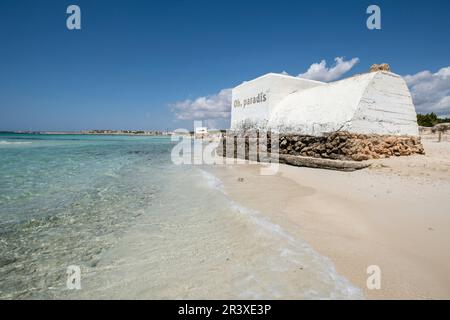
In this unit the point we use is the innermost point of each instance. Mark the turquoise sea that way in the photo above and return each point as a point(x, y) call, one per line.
point(139, 226)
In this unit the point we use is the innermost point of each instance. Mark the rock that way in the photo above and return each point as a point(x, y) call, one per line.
point(380, 67)
point(385, 67)
point(359, 157)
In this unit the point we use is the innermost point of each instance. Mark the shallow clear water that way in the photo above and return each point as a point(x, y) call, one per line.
point(139, 227)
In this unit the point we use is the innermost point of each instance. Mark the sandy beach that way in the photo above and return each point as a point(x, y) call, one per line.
point(394, 215)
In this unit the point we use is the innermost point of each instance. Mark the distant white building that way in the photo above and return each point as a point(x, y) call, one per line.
point(201, 130)
point(371, 103)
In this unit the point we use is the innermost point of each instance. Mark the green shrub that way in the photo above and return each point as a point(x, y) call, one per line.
point(430, 119)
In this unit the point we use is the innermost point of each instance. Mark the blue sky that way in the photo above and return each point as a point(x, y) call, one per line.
point(133, 61)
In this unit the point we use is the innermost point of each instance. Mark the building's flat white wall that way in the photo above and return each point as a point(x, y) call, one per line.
point(274, 87)
point(386, 108)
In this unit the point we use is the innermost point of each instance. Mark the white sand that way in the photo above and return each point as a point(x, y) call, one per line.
point(395, 215)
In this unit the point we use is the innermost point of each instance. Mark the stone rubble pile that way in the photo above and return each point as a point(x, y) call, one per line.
point(380, 67)
point(337, 145)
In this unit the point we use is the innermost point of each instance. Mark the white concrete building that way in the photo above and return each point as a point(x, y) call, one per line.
point(371, 103)
point(201, 130)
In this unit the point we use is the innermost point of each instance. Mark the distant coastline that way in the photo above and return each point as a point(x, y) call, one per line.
point(97, 132)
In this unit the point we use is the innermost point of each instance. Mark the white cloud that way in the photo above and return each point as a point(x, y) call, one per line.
point(216, 106)
point(430, 91)
point(320, 71)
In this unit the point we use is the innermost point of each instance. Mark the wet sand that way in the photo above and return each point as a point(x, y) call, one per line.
point(395, 215)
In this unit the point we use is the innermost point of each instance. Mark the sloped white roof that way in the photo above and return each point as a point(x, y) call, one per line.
point(281, 76)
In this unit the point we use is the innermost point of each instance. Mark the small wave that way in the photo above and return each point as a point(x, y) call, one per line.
point(4, 142)
point(262, 222)
point(342, 287)
point(212, 181)
point(215, 183)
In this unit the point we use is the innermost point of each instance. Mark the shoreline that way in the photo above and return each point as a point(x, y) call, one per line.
point(392, 215)
point(86, 134)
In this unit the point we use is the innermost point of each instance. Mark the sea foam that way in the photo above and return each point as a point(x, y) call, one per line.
point(4, 142)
